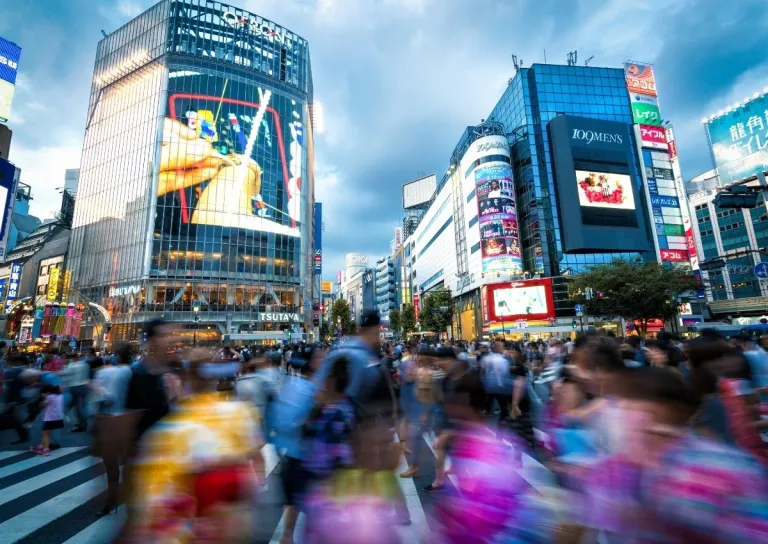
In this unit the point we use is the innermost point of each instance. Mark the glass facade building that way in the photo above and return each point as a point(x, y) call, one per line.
point(535, 96)
point(196, 179)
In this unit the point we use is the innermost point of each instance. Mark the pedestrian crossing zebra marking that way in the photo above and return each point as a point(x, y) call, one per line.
point(36, 461)
point(33, 484)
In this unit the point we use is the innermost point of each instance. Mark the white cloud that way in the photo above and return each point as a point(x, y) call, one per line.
point(128, 8)
point(42, 168)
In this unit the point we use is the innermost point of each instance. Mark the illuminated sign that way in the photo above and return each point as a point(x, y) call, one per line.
point(278, 317)
point(640, 78)
point(53, 283)
point(653, 137)
point(488, 146)
point(739, 140)
point(646, 114)
point(318, 231)
point(658, 201)
point(326, 287)
point(674, 255)
point(604, 190)
point(398, 238)
point(416, 305)
point(13, 285)
point(126, 290)
point(529, 300)
point(9, 64)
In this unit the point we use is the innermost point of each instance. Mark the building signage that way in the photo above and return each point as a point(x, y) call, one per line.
point(318, 234)
point(277, 317)
point(646, 114)
point(318, 261)
point(663, 173)
point(487, 146)
point(257, 26)
point(13, 285)
point(357, 259)
point(398, 238)
point(2, 289)
point(464, 281)
point(416, 306)
point(654, 137)
point(739, 140)
point(339, 277)
point(652, 187)
point(9, 64)
point(326, 287)
point(125, 290)
point(665, 202)
point(640, 79)
point(674, 255)
point(590, 136)
point(53, 284)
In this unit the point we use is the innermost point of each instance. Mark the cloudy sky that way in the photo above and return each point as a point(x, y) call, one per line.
point(400, 80)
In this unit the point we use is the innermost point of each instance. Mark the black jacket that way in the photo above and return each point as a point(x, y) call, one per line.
point(146, 392)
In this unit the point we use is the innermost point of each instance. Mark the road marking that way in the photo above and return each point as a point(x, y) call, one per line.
point(33, 484)
point(9, 454)
point(36, 461)
point(30, 521)
point(101, 531)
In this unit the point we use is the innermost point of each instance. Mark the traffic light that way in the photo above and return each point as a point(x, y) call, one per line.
point(573, 323)
point(736, 197)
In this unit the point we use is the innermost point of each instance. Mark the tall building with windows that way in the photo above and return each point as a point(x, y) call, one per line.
point(196, 187)
point(385, 287)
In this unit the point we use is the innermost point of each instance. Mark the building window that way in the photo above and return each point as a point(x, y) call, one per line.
point(476, 247)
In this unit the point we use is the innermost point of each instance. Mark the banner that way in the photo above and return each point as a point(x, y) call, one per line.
point(53, 284)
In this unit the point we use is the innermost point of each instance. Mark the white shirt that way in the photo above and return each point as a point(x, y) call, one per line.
point(113, 381)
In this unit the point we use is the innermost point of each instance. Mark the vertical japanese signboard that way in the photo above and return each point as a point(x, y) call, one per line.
point(13, 285)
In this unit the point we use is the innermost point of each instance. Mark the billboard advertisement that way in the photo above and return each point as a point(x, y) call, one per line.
point(13, 285)
point(640, 79)
point(318, 258)
point(595, 164)
point(10, 53)
point(653, 137)
point(232, 155)
point(604, 190)
point(326, 287)
point(7, 191)
point(398, 238)
point(531, 299)
point(491, 173)
point(739, 140)
point(646, 114)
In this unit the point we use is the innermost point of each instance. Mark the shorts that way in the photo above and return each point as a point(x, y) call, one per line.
point(295, 479)
point(50, 425)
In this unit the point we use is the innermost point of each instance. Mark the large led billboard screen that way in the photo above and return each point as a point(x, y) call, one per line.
point(7, 190)
point(595, 165)
point(739, 140)
point(531, 299)
point(10, 53)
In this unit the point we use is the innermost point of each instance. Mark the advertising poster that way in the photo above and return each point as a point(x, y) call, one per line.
point(2, 289)
point(326, 287)
point(739, 140)
point(7, 190)
point(653, 137)
point(53, 284)
point(604, 190)
point(646, 114)
point(497, 215)
point(529, 300)
point(640, 79)
point(10, 53)
point(674, 255)
point(318, 259)
point(13, 285)
point(416, 305)
point(232, 157)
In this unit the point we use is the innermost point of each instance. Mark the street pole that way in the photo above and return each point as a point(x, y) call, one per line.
point(581, 321)
point(194, 330)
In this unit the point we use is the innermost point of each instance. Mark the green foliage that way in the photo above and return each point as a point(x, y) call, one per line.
point(394, 321)
point(636, 290)
point(340, 312)
point(407, 319)
point(325, 332)
point(437, 310)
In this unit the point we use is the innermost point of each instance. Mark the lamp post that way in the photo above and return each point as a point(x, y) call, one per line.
point(503, 329)
point(196, 309)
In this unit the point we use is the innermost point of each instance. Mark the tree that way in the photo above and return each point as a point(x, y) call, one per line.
point(407, 319)
point(340, 314)
point(394, 321)
point(437, 311)
point(325, 332)
point(636, 290)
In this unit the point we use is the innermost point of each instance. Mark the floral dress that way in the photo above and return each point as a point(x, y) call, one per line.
point(193, 479)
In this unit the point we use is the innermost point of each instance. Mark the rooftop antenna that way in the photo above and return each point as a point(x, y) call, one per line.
point(573, 58)
point(517, 64)
point(104, 34)
point(586, 62)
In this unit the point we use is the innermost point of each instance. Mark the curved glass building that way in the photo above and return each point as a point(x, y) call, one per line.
point(196, 180)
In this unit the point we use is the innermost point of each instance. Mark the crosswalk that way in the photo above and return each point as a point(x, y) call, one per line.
point(53, 499)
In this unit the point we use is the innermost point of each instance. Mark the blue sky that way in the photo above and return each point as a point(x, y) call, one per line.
point(400, 80)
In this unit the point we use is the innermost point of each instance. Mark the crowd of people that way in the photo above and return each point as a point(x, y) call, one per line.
point(656, 441)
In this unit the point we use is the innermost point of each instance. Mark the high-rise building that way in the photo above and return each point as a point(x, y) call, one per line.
point(196, 181)
point(71, 177)
point(386, 287)
point(550, 184)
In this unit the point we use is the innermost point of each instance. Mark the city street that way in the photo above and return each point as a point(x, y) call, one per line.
point(53, 499)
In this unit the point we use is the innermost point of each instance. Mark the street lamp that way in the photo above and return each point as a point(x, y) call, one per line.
point(503, 329)
point(196, 309)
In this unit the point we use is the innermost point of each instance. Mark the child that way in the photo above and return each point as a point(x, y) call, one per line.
point(53, 417)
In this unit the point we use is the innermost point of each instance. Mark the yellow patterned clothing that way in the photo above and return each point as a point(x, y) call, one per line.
point(193, 478)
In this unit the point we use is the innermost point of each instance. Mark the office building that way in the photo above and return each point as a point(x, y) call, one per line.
point(386, 287)
point(571, 169)
point(196, 185)
point(71, 177)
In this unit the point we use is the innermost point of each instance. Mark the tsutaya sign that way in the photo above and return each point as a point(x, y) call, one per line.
point(127, 290)
point(279, 317)
point(257, 26)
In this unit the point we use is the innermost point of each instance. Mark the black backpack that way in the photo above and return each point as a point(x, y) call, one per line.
point(377, 400)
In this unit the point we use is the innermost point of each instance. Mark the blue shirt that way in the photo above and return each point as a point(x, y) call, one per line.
point(291, 410)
